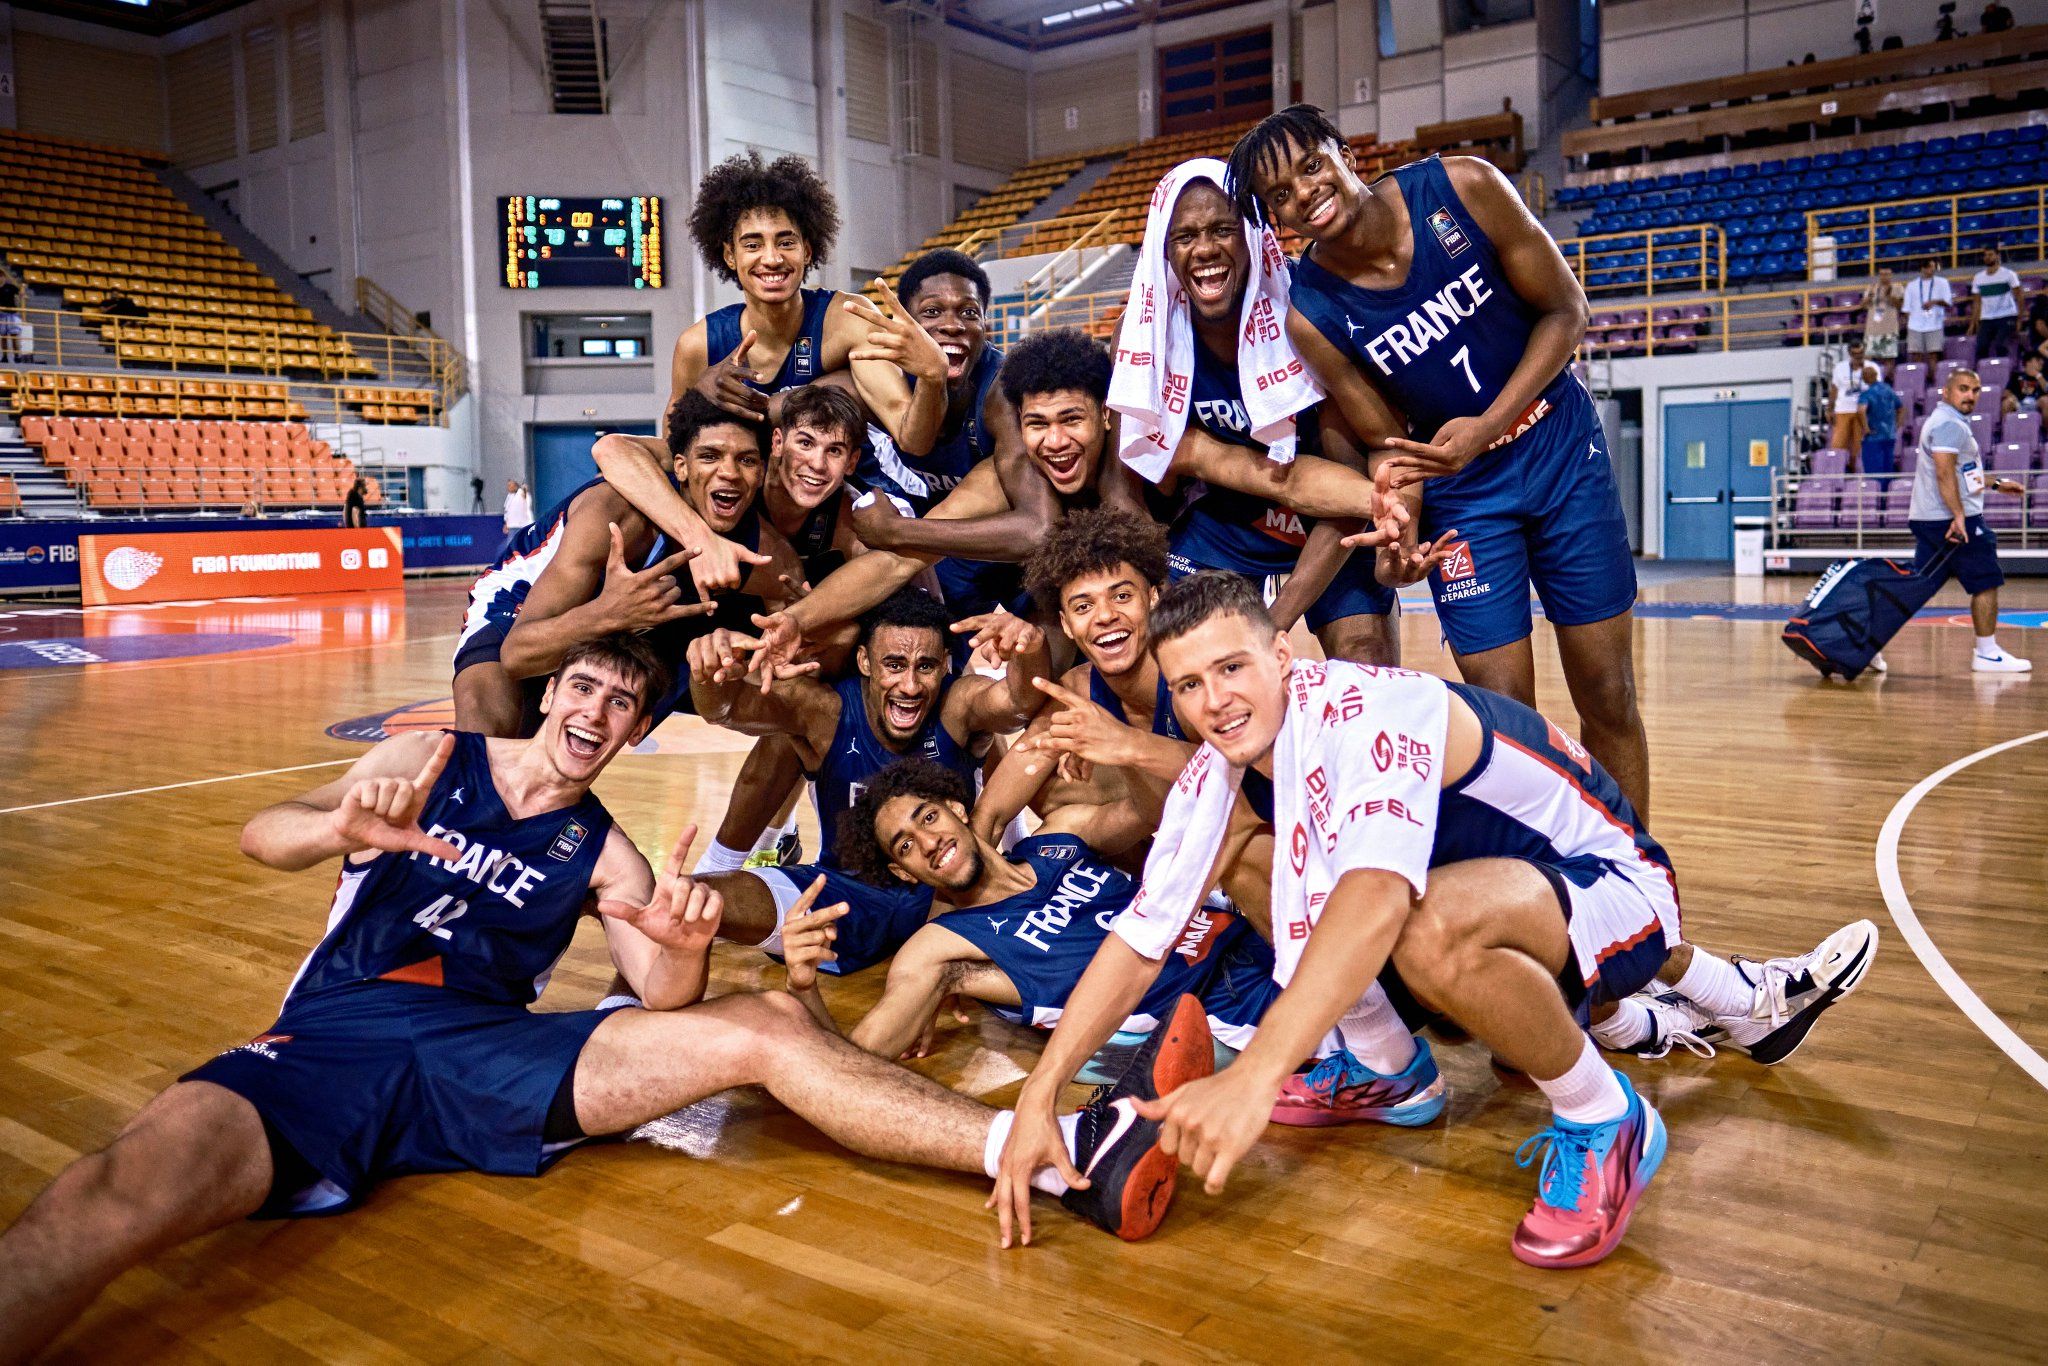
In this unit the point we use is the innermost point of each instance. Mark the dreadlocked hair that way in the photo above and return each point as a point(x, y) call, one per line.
point(742, 183)
point(1267, 144)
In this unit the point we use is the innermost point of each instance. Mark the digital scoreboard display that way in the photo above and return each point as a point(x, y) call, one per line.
point(582, 243)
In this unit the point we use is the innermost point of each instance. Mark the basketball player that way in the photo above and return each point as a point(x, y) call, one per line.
point(899, 702)
point(1434, 291)
point(1016, 930)
point(578, 582)
point(1465, 841)
point(405, 1044)
point(1208, 254)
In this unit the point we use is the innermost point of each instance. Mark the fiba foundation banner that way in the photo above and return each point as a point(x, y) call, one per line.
point(173, 566)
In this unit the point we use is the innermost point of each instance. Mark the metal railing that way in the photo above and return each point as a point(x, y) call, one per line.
point(1844, 511)
point(1036, 238)
point(1946, 227)
point(1692, 257)
point(444, 363)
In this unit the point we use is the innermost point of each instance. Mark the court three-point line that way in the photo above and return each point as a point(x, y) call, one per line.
point(1916, 937)
point(169, 787)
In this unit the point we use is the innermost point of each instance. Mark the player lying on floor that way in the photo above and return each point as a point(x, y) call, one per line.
point(1456, 838)
point(406, 1045)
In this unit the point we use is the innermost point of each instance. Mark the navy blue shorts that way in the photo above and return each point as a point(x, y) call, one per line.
point(1975, 562)
point(493, 607)
point(1240, 988)
point(1542, 509)
point(878, 920)
point(1354, 592)
point(380, 1079)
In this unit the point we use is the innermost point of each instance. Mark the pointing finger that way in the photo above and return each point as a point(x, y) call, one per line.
point(1058, 693)
point(739, 352)
point(436, 761)
point(680, 855)
point(617, 558)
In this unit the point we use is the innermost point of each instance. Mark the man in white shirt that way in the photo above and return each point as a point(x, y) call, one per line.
point(1947, 518)
point(1928, 301)
point(1996, 293)
point(1846, 386)
point(518, 506)
point(1881, 316)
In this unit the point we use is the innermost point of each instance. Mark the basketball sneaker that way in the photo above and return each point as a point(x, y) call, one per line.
point(1342, 1090)
point(1999, 662)
point(1674, 1023)
point(1592, 1177)
point(1792, 992)
point(1131, 1180)
point(787, 853)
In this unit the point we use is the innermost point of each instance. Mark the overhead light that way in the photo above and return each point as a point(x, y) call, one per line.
point(1085, 12)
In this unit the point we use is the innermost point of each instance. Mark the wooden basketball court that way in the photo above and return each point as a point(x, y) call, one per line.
point(1882, 1196)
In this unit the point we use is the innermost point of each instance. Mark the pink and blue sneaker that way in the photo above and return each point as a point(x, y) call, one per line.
point(1342, 1090)
point(1587, 1189)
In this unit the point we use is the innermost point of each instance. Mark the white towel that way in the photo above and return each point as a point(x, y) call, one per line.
point(1183, 854)
point(1155, 356)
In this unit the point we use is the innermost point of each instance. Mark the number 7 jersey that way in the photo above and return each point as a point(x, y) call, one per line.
point(1445, 341)
point(492, 924)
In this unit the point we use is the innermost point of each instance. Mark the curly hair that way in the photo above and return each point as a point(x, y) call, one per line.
point(691, 413)
point(944, 261)
point(1054, 360)
point(859, 848)
point(1187, 603)
point(744, 182)
point(908, 606)
point(1091, 541)
point(1267, 144)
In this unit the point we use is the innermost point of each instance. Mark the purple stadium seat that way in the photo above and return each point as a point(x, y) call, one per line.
point(1995, 371)
point(1984, 426)
point(1909, 458)
point(1813, 503)
point(1862, 504)
point(1959, 349)
point(1898, 501)
point(1829, 461)
point(1943, 370)
point(2009, 457)
point(2024, 429)
point(2037, 503)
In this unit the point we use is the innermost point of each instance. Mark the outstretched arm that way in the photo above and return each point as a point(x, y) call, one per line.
point(374, 806)
point(995, 706)
point(637, 469)
point(793, 704)
point(658, 930)
point(934, 964)
point(1325, 552)
point(976, 521)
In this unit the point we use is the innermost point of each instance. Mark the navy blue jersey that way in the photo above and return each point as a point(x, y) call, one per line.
point(1444, 342)
point(813, 541)
point(1221, 528)
point(858, 754)
point(923, 481)
point(806, 359)
point(1043, 939)
point(1257, 787)
point(492, 924)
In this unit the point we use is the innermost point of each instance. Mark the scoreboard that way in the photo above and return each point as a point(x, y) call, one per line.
point(585, 243)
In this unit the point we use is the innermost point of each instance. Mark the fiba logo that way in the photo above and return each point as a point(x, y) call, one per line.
point(128, 569)
point(351, 558)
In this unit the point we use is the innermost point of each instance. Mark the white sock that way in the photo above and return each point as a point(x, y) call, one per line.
point(1629, 1025)
point(1589, 1093)
point(608, 1002)
point(1048, 1179)
point(1987, 646)
point(1715, 986)
point(720, 859)
point(1373, 1031)
point(772, 836)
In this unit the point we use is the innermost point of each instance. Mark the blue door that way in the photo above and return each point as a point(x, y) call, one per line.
point(561, 458)
point(1718, 462)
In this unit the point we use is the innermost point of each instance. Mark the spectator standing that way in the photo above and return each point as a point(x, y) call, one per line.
point(2025, 390)
point(355, 506)
point(1947, 518)
point(518, 506)
point(1881, 303)
point(1928, 301)
point(1880, 404)
point(476, 493)
point(1996, 18)
point(1996, 295)
point(1945, 23)
point(1847, 382)
point(10, 317)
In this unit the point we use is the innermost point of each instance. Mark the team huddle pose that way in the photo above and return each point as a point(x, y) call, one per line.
point(1021, 621)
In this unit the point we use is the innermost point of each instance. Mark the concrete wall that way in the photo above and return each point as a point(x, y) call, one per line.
point(1647, 43)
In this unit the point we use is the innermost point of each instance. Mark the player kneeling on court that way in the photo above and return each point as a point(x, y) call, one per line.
point(1452, 834)
point(406, 1045)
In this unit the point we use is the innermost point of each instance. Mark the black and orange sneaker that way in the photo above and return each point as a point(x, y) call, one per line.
point(1131, 1181)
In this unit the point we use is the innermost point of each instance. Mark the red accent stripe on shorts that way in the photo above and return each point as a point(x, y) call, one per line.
point(1589, 799)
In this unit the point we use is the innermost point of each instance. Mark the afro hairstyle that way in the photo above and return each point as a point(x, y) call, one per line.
point(1054, 360)
point(743, 183)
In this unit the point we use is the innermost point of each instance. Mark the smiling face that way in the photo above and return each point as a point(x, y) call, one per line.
point(769, 255)
point(929, 841)
point(720, 474)
point(1314, 191)
point(902, 671)
point(812, 464)
point(1063, 434)
point(591, 713)
point(1205, 249)
point(1107, 614)
point(948, 307)
point(1227, 678)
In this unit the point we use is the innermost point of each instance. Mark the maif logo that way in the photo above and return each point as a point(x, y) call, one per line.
point(128, 569)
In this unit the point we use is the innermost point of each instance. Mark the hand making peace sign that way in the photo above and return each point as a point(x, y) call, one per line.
point(897, 337)
point(725, 382)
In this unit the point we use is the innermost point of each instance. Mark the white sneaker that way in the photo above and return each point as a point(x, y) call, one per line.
point(2000, 663)
point(1677, 1021)
point(1877, 664)
point(1792, 992)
